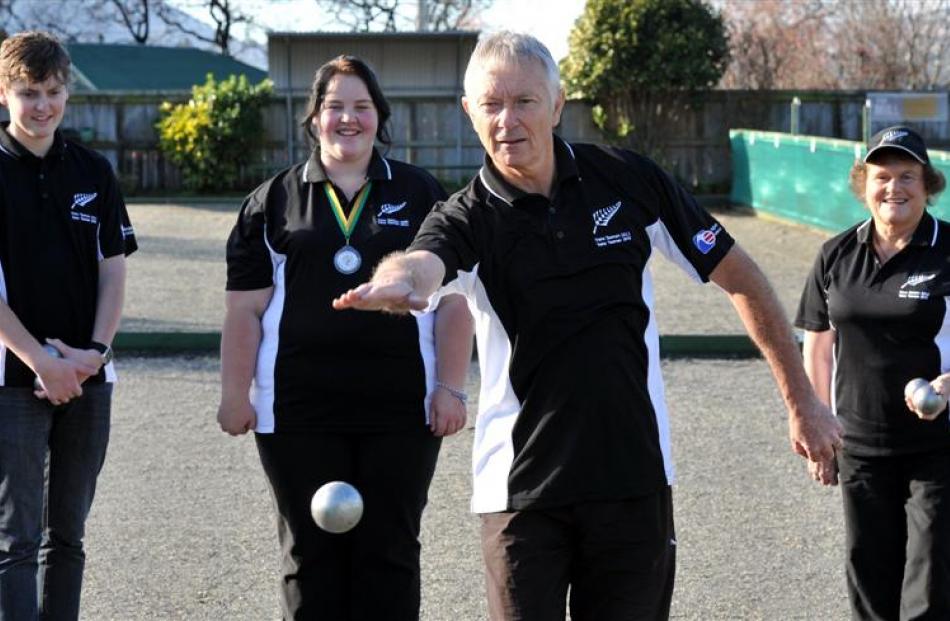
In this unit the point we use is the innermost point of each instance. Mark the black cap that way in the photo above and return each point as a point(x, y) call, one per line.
point(901, 138)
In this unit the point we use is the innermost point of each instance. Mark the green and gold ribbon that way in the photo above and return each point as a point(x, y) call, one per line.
point(347, 224)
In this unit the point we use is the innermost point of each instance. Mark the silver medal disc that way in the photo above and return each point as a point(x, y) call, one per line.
point(347, 260)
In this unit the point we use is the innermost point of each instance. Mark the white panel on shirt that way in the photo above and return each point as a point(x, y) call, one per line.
point(262, 389)
point(426, 326)
point(661, 239)
point(498, 407)
point(651, 339)
point(943, 338)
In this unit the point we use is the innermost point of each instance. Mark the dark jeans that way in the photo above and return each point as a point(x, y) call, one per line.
point(49, 460)
point(897, 522)
point(371, 572)
point(618, 558)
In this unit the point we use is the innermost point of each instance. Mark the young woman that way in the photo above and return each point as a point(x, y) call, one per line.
point(357, 397)
point(875, 315)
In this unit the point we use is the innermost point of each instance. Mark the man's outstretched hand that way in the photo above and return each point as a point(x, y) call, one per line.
point(396, 296)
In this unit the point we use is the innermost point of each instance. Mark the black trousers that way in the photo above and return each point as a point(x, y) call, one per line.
point(618, 558)
point(372, 571)
point(897, 522)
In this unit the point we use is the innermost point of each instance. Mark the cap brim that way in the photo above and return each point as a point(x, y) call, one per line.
point(882, 147)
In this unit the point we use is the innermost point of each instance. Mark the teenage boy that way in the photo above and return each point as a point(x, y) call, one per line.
point(64, 235)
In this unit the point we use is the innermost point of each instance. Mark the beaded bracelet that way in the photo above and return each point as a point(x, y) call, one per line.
point(455, 392)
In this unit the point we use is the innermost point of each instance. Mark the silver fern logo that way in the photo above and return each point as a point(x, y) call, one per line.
point(385, 216)
point(81, 200)
point(603, 216)
point(918, 279)
point(390, 208)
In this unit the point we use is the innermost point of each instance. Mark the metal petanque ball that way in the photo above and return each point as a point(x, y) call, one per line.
point(336, 507)
point(52, 351)
point(928, 402)
point(913, 385)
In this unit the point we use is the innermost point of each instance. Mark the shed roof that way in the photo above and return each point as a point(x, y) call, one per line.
point(115, 67)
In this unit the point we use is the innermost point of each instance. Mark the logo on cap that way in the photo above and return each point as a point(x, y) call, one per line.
point(893, 135)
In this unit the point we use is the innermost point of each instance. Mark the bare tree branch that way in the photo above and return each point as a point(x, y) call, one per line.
point(391, 15)
point(135, 16)
point(838, 44)
point(224, 14)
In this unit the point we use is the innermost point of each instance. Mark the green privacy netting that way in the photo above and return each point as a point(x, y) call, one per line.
point(805, 178)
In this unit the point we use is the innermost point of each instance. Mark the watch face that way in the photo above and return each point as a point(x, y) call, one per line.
point(107, 356)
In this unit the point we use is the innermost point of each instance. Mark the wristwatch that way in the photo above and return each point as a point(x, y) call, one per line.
point(104, 350)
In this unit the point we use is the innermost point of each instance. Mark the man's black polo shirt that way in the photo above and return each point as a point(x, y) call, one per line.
point(320, 369)
point(571, 406)
point(59, 216)
point(891, 325)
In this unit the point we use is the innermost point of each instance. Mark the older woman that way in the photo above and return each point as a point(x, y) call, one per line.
point(875, 315)
point(340, 396)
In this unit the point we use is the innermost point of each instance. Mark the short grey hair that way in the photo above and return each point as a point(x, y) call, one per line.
point(515, 48)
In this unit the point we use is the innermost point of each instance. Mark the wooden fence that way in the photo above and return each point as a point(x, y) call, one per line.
point(434, 133)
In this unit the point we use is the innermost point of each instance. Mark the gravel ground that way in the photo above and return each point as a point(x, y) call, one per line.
point(182, 526)
point(176, 280)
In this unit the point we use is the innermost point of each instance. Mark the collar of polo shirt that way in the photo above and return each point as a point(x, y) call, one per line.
point(378, 169)
point(924, 235)
point(10, 146)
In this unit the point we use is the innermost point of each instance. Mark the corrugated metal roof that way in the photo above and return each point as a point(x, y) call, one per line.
point(113, 67)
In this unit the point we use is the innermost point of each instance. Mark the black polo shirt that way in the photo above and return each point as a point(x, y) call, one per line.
point(320, 369)
point(59, 216)
point(571, 405)
point(890, 325)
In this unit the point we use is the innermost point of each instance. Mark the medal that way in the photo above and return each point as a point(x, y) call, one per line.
point(347, 260)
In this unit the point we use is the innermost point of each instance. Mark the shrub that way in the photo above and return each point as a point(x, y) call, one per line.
point(216, 133)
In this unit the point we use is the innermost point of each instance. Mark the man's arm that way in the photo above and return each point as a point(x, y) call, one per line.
point(813, 431)
point(818, 352)
point(403, 281)
point(453, 347)
point(240, 340)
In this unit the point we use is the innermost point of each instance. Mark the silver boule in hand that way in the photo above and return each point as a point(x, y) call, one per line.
point(52, 351)
point(927, 402)
point(913, 385)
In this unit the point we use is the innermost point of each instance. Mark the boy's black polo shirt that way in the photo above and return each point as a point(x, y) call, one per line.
point(571, 405)
point(891, 325)
point(321, 369)
point(59, 216)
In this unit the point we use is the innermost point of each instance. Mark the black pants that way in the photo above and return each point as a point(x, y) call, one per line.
point(372, 571)
point(897, 519)
point(618, 558)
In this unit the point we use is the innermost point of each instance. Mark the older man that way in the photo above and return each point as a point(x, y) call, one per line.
point(549, 243)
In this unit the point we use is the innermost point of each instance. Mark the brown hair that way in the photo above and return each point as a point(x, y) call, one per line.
point(934, 181)
point(33, 56)
point(348, 65)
